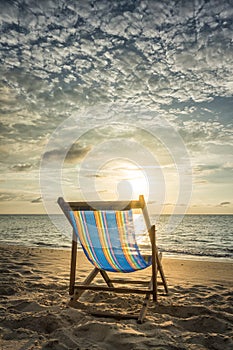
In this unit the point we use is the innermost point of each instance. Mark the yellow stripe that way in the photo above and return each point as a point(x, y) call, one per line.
point(82, 236)
point(135, 264)
point(101, 227)
point(120, 224)
point(124, 239)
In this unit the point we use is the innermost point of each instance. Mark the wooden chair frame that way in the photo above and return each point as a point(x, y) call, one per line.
point(76, 290)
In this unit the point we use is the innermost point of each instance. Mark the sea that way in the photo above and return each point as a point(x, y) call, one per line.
point(195, 237)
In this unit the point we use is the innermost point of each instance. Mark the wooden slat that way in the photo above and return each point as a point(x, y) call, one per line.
point(98, 205)
point(114, 315)
point(113, 289)
point(145, 212)
point(123, 281)
point(119, 281)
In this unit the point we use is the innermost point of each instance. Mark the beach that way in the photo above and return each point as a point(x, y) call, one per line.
point(196, 314)
point(116, 130)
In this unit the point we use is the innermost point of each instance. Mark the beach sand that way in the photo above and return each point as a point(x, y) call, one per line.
point(197, 313)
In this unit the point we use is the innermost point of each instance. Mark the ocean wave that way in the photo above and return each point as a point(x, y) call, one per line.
point(210, 236)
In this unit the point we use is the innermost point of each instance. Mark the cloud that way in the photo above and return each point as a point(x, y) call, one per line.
point(14, 196)
point(80, 54)
point(37, 200)
point(207, 168)
point(22, 167)
point(59, 57)
point(215, 173)
point(6, 196)
point(74, 154)
point(222, 204)
point(113, 50)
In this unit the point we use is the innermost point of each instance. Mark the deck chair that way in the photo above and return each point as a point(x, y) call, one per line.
point(109, 242)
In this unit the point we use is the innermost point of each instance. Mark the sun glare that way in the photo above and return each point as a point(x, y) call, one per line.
point(138, 183)
point(122, 180)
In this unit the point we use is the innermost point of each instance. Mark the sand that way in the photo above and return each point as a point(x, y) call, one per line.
point(197, 313)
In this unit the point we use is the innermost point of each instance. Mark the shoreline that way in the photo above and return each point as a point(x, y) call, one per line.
point(177, 256)
point(177, 269)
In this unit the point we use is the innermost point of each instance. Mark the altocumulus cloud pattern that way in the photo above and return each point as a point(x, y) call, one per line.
point(174, 57)
point(104, 50)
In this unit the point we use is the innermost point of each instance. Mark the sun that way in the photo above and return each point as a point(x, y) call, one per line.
point(139, 183)
point(121, 180)
point(133, 181)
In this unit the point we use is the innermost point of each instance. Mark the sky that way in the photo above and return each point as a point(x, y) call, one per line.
point(111, 99)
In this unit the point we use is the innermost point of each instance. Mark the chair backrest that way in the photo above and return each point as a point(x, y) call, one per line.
point(107, 234)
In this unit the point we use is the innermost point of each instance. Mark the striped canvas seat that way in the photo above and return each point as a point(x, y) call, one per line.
point(108, 239)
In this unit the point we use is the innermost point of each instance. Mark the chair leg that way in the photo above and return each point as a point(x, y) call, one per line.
point(154, 263)
point(147, 297)
point(160, 268)
point(87, 281)
point(73, 265)
point(106, 278)
point(144, 308)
